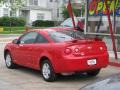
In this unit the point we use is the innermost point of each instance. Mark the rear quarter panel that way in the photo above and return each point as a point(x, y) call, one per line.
point(54, 53)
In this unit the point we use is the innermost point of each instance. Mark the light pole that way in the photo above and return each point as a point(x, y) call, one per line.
point(55, 10)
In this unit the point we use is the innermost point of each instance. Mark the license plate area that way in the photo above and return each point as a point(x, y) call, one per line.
point(92, 62)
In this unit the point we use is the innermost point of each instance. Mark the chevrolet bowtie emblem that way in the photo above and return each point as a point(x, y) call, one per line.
point(89, 47)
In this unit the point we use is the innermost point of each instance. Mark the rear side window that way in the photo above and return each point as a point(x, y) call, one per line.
point(41, 39)
point(28, 38)
point(59, 36)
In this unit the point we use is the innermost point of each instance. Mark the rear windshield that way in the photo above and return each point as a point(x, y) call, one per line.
point(61, 36)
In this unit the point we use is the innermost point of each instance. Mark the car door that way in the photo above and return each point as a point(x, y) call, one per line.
point(39, 48)
point(23, 49)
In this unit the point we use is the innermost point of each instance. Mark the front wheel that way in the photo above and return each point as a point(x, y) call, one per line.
point(8, 61)
point(47, 71)
point(93, 72)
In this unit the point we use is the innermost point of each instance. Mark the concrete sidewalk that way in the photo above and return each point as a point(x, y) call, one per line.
point(8, 37)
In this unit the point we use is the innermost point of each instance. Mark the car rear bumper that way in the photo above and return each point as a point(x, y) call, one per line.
point(78, 65)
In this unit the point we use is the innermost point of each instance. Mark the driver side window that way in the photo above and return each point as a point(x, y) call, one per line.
point(29, 38)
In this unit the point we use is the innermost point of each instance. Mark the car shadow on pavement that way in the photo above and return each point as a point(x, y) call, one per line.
point(74, 78)
point(28, 71)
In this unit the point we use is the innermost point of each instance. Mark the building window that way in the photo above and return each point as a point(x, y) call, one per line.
point(51, 0)
point(40, 16)
point(33, 2)
point(5, 12)
point(57, 12)
point(65, 1)
point(13, 13)
point(56, 0)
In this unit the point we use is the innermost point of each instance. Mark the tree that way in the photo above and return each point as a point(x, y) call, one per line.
point(77, 12)
point(65, 13)
point(13, 4)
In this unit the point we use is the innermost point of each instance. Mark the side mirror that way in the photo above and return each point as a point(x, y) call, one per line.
point(15, 41)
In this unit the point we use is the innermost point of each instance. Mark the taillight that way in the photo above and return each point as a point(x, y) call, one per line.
point(68, 51)
point(72, 50)
point(77, 50)
point(103, 48)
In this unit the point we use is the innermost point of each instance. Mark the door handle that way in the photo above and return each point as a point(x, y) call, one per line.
point(21, 45)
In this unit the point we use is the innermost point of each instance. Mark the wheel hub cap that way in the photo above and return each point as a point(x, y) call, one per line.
point(8, 60)
point(46, 70)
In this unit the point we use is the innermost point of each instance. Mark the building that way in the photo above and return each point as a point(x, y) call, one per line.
point(56, 6)
point(31, 11)
point(37, 10)
point(5, 11)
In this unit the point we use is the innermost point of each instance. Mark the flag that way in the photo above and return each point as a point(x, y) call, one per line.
point(70, 11)
point(111, 30)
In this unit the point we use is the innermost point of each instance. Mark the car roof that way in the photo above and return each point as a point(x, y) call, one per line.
point(51, 29)
point(40, 30)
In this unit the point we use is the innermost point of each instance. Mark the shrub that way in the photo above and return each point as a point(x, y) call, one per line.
point(12, 21)
point(41, 23)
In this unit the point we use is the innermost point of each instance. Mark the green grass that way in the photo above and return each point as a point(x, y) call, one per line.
point(13, 30)
point(16, 30)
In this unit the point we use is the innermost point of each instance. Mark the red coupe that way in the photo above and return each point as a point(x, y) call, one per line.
point(57, 52)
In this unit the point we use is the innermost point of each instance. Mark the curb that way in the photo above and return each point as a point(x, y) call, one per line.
point(11, 35)
point(116, 64)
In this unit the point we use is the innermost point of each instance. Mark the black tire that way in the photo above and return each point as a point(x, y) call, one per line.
point(49, 75)
point(9, 62)
point(93, 72)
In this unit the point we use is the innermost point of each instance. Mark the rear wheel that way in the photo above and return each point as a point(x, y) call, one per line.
point(8, 61)
point(47, 71)
point(93, 72)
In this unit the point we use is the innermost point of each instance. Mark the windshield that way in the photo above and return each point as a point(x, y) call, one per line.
point(61, 36)
point(68, 22)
